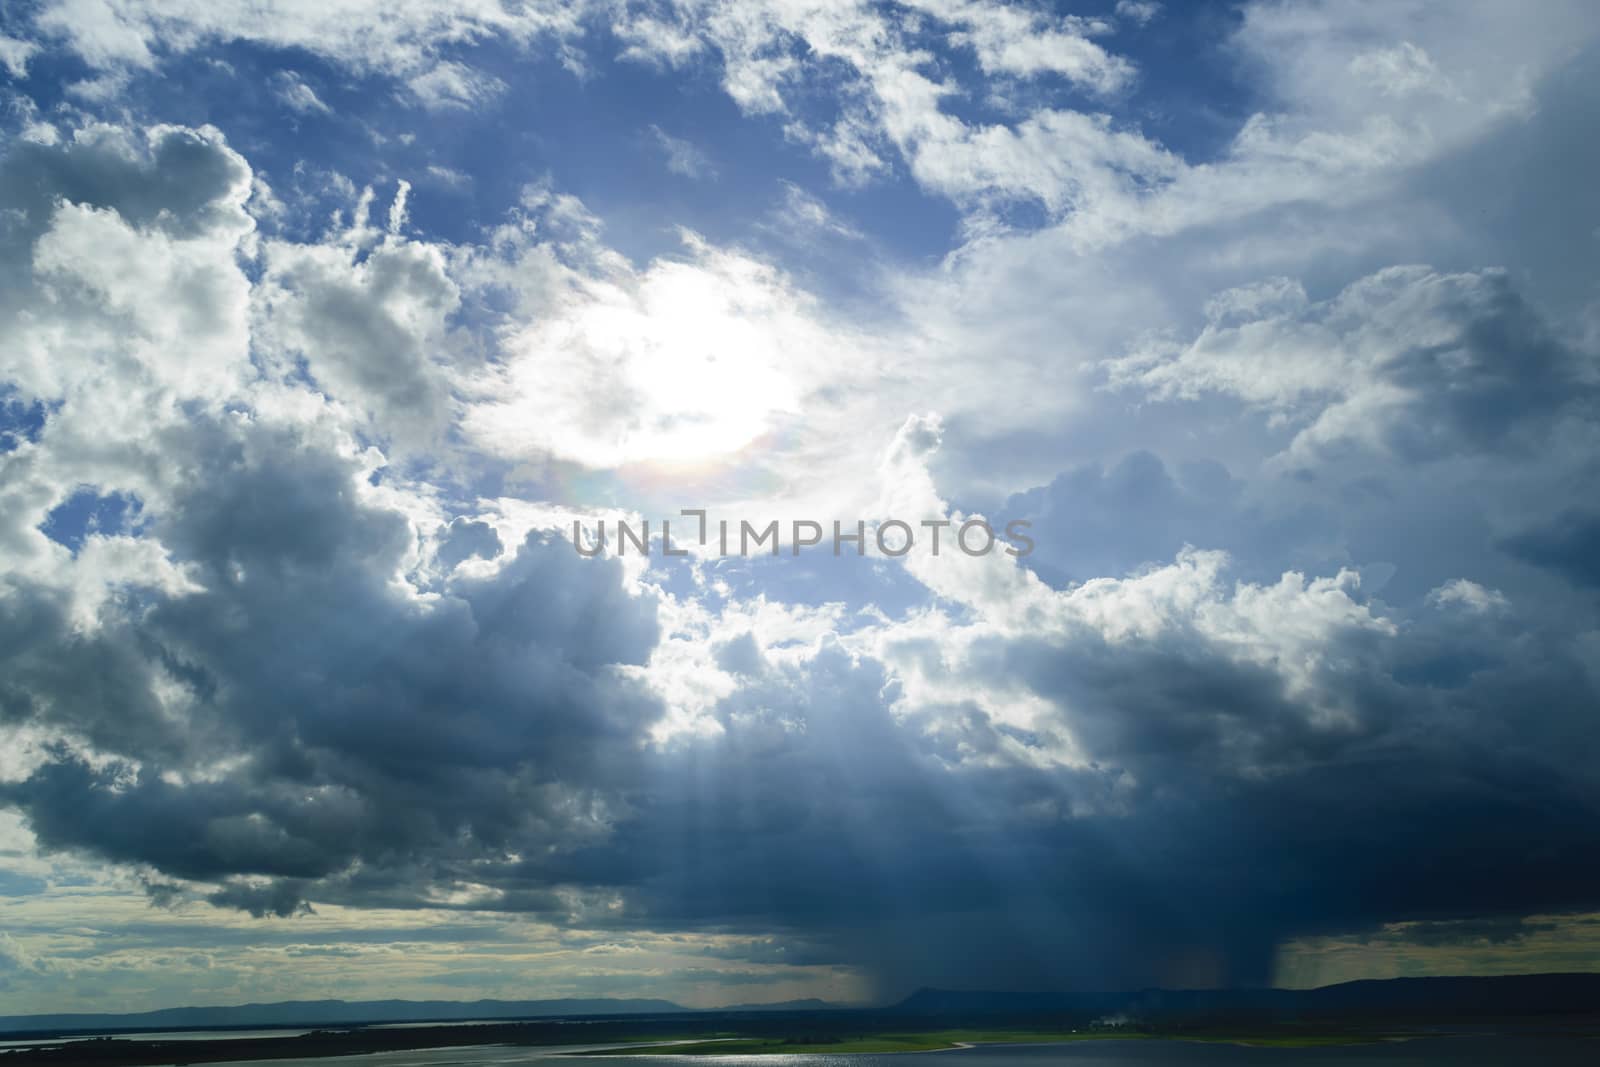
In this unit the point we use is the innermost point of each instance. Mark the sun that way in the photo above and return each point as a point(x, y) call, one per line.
point(691, 364)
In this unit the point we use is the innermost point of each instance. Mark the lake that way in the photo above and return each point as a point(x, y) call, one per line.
point(1475, 1051)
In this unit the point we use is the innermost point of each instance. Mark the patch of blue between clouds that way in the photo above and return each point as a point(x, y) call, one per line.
point(20, 420)
point(88, 512)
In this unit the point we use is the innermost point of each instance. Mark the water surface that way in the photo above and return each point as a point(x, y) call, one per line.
point(1475, 1051)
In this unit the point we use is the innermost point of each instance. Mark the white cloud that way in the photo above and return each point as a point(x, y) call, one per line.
point(682, 156)
point(1400, 71)
point(895, 94)
point(402, 40)
point(449, 176)
point(1405, 359)
point(804, 216)
point(298, 96)
point(397, 209)
point(1139, 12)
point(195, 347)
point(449, 85)
point(370, 327)
point(124, 315)
point(1343, 100)
point(1021, 42)
point(14, 55)
point(1469, 596)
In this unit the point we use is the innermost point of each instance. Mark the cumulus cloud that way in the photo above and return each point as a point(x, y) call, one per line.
point(257, 519)
point(1417, 362)
point(246, 778)
point(1469, 596)
point(367, 323)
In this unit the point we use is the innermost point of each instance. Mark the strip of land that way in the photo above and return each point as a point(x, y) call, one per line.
point(1558, 1008)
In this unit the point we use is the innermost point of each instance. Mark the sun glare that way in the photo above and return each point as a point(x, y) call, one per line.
point(689, 367)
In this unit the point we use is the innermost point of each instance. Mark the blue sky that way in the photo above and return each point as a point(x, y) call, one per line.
point(322, 324)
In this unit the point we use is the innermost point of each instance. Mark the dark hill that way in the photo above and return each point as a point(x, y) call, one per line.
point(1412, 998)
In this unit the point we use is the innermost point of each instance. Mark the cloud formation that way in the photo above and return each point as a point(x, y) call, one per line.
point(295, 647)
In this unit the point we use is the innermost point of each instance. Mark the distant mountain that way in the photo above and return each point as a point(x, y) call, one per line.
point(1413, 998)
point(334, 1012)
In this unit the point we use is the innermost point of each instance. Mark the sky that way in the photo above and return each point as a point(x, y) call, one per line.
point(324, 326)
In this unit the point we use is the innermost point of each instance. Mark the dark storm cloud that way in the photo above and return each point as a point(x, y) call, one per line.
point(179, 181)
point(1497, 384)
point(192, 831)
point(361, 728)
point(1441, 770)
point(281, 898)
point(1459, 796)
point(1218, 819)
point(98, 686)
point(1569, 545)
